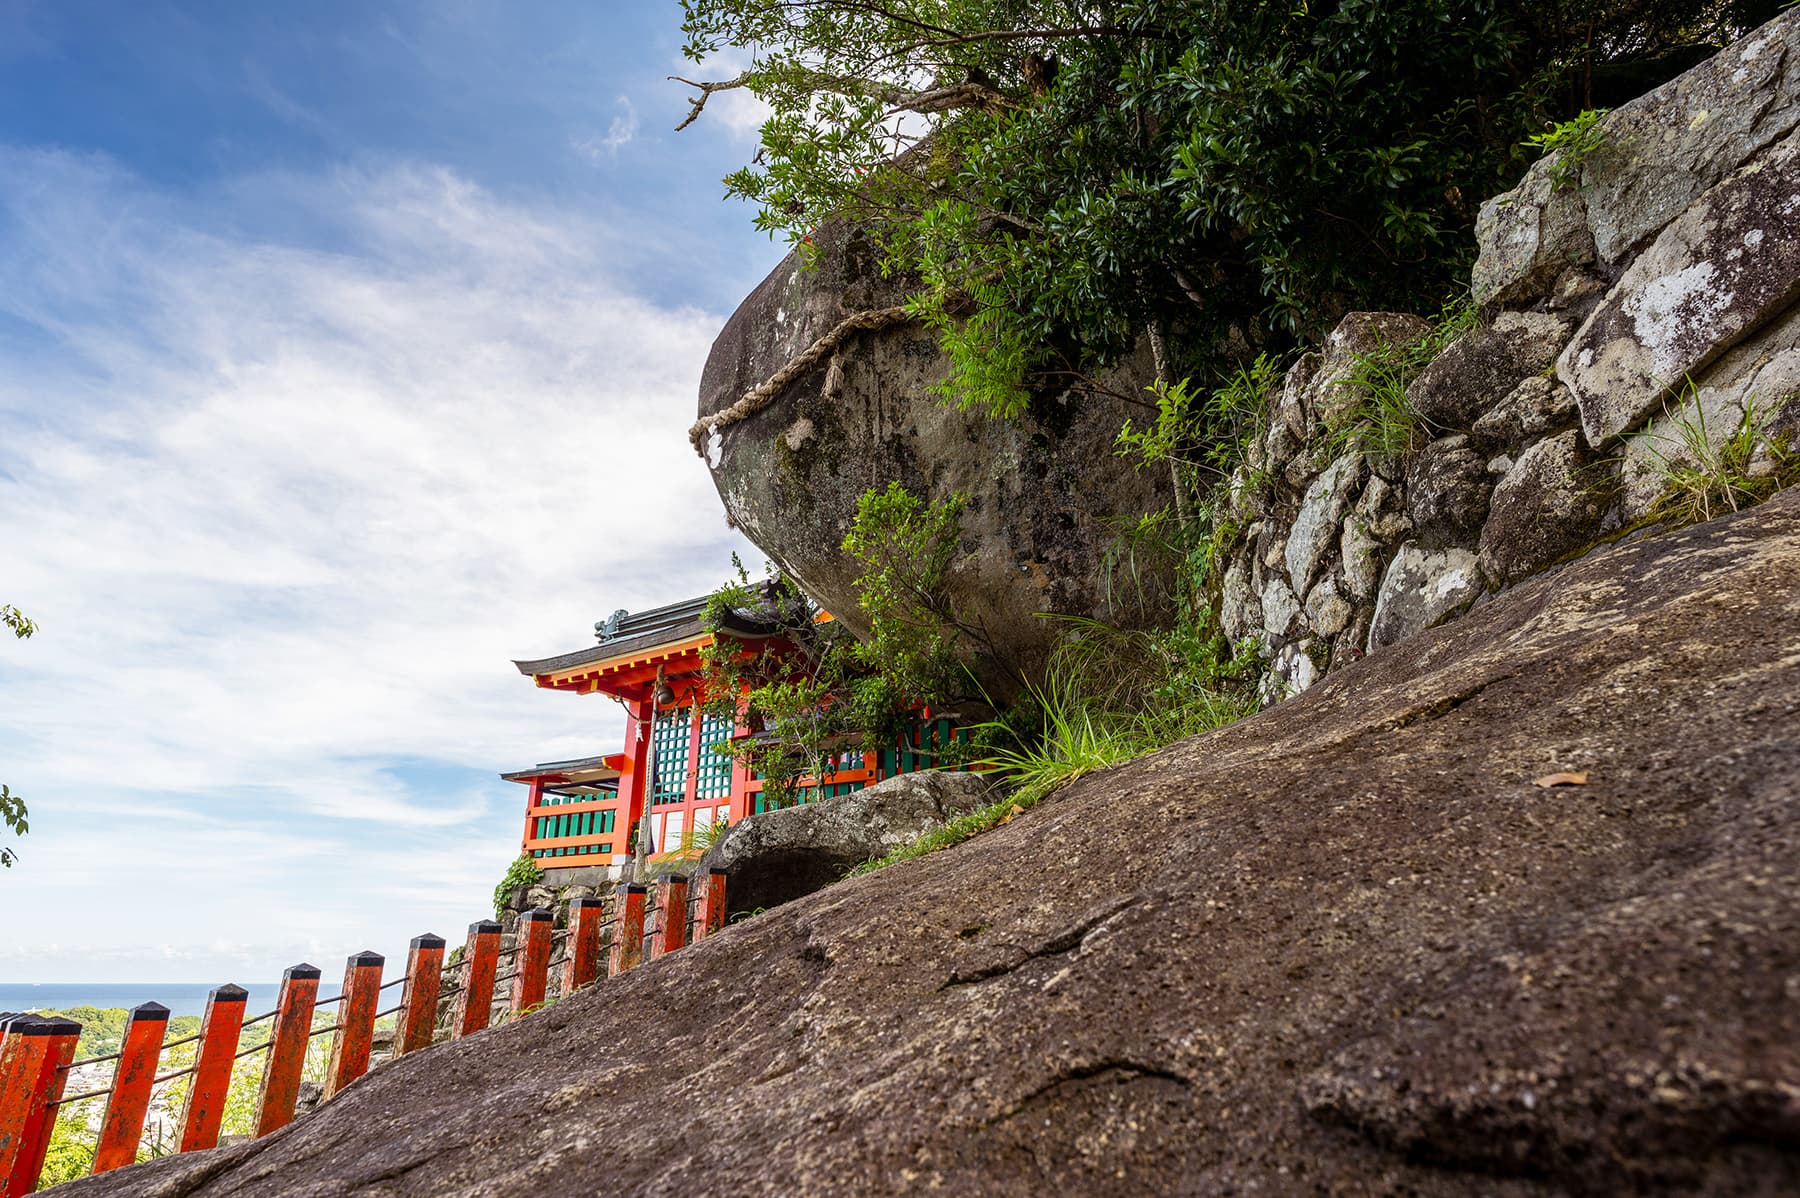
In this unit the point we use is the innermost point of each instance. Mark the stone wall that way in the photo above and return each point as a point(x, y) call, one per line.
point(547, 895)
point(1624, 301)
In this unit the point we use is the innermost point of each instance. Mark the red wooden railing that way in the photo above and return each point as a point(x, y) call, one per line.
point(37, 1053)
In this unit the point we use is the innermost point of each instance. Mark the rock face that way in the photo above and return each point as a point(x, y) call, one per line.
point(1541, 511)
point(1629, 326)
point(1343, 946)
point(1045, 492)
point(778, 856)
point(1422, 588)
point(1719, 271)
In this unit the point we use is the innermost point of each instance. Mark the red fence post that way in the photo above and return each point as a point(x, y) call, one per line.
point(531, 964)
point(581, 957)
point(628, 929)
point(712, 905)
point(33, 1070)
point(21, 1053)
point(671, 916)
point(478, 985)
point(287, 1048)
point(356, 1021)
point(419, 997)
point(123, 1124)
point(205, 1107)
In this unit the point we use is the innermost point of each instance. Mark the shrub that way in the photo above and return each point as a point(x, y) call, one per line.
point(1381, 420)
point(1061, 177)
point(522, 872)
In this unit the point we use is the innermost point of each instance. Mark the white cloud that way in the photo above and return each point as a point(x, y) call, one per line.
point(619, 133)
point(284, 513)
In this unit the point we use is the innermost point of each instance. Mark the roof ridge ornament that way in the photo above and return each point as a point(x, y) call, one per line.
point(607, 629)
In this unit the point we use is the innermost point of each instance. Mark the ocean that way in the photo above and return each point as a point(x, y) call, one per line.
point(182, 998)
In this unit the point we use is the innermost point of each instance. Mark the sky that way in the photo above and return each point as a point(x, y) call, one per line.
point(347, 351)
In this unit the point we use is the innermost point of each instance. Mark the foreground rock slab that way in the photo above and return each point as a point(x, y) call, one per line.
point(1346, 946)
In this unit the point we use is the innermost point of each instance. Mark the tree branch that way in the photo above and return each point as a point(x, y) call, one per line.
point(706, 91)
point(1014, 35)
point(899, 99)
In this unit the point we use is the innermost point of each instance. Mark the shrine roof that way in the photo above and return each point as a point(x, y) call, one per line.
point(626, 634)
point(603, 768)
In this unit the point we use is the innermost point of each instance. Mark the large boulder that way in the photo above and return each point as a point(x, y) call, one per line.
point(1447, 490)
point(1666, 148)
point(1345, 946)
point(1047, 493)
point(1529, 237)
point(776, 857)
point(1421, 589)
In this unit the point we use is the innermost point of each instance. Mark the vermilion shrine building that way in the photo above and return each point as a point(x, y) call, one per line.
point(580, 813)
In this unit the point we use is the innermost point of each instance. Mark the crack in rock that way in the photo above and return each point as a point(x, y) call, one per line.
point(1067, 940)
point(1128, 1070)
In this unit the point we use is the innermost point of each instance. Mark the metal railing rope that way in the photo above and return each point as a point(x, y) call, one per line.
point(82, 1097)
point(111, 1056)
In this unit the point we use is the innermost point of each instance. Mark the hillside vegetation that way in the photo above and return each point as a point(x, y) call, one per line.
point(1065, 177)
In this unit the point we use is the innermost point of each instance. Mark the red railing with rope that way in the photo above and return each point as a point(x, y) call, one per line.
point(37, 1053)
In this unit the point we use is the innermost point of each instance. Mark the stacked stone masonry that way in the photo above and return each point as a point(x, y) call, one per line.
point(1616, 315)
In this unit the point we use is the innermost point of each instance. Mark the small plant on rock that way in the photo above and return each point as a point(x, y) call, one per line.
point(1573, 142)
point(1703, 478)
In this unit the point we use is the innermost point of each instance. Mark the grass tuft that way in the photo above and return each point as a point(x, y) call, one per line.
point(1381, 420)
point(1070, 729)
point(1702, 479)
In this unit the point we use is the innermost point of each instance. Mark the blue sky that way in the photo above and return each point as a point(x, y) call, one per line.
point(346, 352)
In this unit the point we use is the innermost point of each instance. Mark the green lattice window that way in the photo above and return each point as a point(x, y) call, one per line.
point(713, 778)
point(669, 755)
point(922, 748)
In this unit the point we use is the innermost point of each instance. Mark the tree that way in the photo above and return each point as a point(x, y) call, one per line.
point(12, 807)
point(1065, 177)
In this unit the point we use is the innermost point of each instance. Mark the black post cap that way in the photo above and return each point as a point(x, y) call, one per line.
point(43, 1025)
point(229, 992)
point(583, 904)
point(427, 941)
point(150, 1011)
point(368, 957)
point(635, 888)
point(300, 972)
point(716, 872)
point(484, 926)
point(538, 915)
